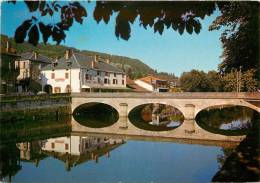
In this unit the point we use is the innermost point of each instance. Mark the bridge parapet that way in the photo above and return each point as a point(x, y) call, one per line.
point(169, 95)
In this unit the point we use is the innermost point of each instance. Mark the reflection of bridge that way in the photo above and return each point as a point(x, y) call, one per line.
point(190, 104)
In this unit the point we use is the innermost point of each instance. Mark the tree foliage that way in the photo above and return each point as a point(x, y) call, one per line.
point(68, 12)
point(247, 81)
point(240, 39)
point(199, 81)
point(194, 81)
point(179, 16)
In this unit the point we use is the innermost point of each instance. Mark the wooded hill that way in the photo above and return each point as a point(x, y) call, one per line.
point(133, 67)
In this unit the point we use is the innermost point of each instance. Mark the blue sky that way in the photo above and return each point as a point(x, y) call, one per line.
point(169, 52)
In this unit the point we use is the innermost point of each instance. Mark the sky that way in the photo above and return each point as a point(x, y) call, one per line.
point(169, 52)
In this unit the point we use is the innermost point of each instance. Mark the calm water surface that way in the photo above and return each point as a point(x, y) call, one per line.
point(53, 154)
point(132, 161)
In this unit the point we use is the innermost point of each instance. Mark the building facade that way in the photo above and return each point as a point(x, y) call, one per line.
point(153, 84)
point(80, 73)
point(29, 66)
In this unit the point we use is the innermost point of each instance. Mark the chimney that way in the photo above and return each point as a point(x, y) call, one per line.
point(107, 61)
point(7, 46)
point(35, 54)
point(96, 58)
point(67, 54)
point(55, 62)
point(92, 64)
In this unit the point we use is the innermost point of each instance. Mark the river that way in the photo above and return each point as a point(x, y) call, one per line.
point(46, 150)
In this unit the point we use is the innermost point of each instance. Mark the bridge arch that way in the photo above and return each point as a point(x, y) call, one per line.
point(140, 103)
point(227, 104)
point(81, 101)
point(95, 115)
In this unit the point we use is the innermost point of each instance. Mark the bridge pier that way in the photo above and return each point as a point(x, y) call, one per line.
point(189, 112)
point(189, 126)
point(123, 115)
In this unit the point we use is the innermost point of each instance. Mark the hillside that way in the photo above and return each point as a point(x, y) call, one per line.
point(133, 67)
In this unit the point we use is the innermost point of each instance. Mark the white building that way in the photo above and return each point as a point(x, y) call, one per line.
point(152, 84)
point(80, 73)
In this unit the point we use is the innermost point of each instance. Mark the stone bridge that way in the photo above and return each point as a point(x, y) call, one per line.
point(190, 104)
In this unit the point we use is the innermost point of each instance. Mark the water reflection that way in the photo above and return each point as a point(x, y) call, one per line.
point(95, 115)
point(231, 120)
point(90, 158)
point(156, 117)
point(26, 130)
point(71, 150)
point(74, 150)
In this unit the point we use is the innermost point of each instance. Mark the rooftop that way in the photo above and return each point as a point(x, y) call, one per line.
point(151, 79)
point(78, 60)
point(136, 88)
point(33, 56)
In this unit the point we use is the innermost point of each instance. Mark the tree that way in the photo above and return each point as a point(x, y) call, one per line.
point(194, 81)
point(215, 81)
point(230, 81)
point(179, 16)
point(240, 39)
point(247, 81)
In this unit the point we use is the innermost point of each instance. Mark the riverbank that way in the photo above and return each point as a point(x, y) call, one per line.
point(21, 107)
point(243, 165)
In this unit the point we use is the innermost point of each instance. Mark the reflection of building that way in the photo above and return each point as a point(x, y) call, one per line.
point(153, 84)
point(74, 150)
point(30, 151)
point(76, 72)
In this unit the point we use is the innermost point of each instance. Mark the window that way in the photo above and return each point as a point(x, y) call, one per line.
point(106, 73)
point(123, 82)
point(114, 81)
point(123, 75)
point(87, 76)
point(66, 146)
point(24, 65)
point(99, 80)
point(106, 81)
point(114, 74)
point(67, 75)
point(98, 73)
point(52, 145)
point(52, 75)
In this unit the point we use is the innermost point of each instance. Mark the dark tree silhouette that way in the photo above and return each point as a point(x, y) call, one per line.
point(179, 16)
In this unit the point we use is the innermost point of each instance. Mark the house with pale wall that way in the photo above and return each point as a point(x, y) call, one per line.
point(29, 66)
point(76, 72)
point(153, 84)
